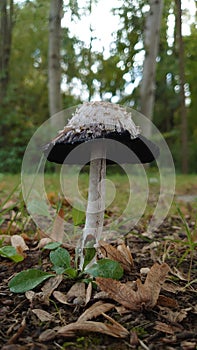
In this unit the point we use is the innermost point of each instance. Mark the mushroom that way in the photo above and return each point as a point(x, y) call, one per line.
point(92, 125)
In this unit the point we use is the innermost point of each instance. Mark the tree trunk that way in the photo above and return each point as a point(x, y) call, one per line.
point(6, 24)
point(184, 129)
point(54, 64)
point(151, 44)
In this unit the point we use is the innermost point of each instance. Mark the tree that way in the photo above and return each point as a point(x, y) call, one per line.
point(6, 25)
point(54, 65)
point(183, 110)
point(151, 45)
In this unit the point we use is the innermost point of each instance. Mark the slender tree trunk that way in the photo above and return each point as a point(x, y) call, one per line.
point(6, 24)
point(184, 128)
point(54, 64)
point(151, 43)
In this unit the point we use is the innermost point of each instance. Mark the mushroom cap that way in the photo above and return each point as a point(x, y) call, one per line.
point(99, 122)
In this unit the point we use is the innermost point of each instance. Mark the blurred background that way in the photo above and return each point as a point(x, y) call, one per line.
point(55, 54)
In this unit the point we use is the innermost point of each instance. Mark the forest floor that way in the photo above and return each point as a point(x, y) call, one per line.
point(153, 306)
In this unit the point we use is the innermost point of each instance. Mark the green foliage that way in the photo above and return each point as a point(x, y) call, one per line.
point(11, 253)
point(106, 268)
point(26, 104)
point(61, 264)
point(27, 280)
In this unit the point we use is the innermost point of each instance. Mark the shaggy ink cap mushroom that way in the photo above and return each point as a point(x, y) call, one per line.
point(98, 121)
point(92, 125)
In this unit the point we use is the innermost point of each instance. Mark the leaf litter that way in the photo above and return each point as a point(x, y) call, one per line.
point(153, 306)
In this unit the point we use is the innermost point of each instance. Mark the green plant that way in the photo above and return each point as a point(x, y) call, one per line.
point(61, 264)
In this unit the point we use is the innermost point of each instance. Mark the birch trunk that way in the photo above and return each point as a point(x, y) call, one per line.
point(54, 66)
point(151, 44)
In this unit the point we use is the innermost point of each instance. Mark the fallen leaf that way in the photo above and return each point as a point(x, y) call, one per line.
point(88, 293)
point(43, 315)
point(188, 345)
point(166, 328)
point(77, 294)
point(146, 295)
point(48, 334)
point(95, 310)
point(167, 302)
point(121, 254)
point(57, 233)
point(18, 243)
point(114, 329)
point(61, 297)
point(174, 316)
point(49, 287)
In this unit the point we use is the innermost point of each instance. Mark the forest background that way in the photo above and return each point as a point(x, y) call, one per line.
point(87, 73)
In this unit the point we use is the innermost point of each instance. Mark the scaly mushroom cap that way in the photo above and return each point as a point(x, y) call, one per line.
point(98, 121)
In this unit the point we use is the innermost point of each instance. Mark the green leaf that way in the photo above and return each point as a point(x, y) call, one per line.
point(89, 255)
point(78, 217)
point(27, 280)
point(60, 258)
point(106, 268)
point(11, 253)
point(52, 245)
point(71, 272)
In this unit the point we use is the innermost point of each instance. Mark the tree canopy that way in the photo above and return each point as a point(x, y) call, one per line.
point(89, 74)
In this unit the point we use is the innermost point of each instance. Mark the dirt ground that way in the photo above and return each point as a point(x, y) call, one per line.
point(52, 317)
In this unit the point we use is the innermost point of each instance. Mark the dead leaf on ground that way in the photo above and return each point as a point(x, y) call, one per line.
point(58, 227)
point(121, 254)
point(114, 329)
point(166, 328)
point(75, 296)
point(188, 345)
point(18, 243)
point(174, 316)
point(167, 302)
point(43, 315)
point(50, 285)
point(146, 295)
point(95, 310)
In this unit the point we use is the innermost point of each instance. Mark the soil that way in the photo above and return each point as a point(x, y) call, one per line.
point(171, 324)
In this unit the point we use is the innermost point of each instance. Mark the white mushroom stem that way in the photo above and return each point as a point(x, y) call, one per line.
point(96, 199)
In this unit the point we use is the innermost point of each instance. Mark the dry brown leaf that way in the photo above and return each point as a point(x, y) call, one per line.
point(188, 345)
point(77, 294)
point(43, 315)
point(166, 328)
point(126, 253)
point(114, 329)
point(95, 310)
point(47, 335)
point(146, 295)
point(166, 301)
point(18, 243)
point(43, 242)
point(121, 254)
point(52, 284)
point(88, 293)
point(61, 297)
point(174, 316)
point(58, 227)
